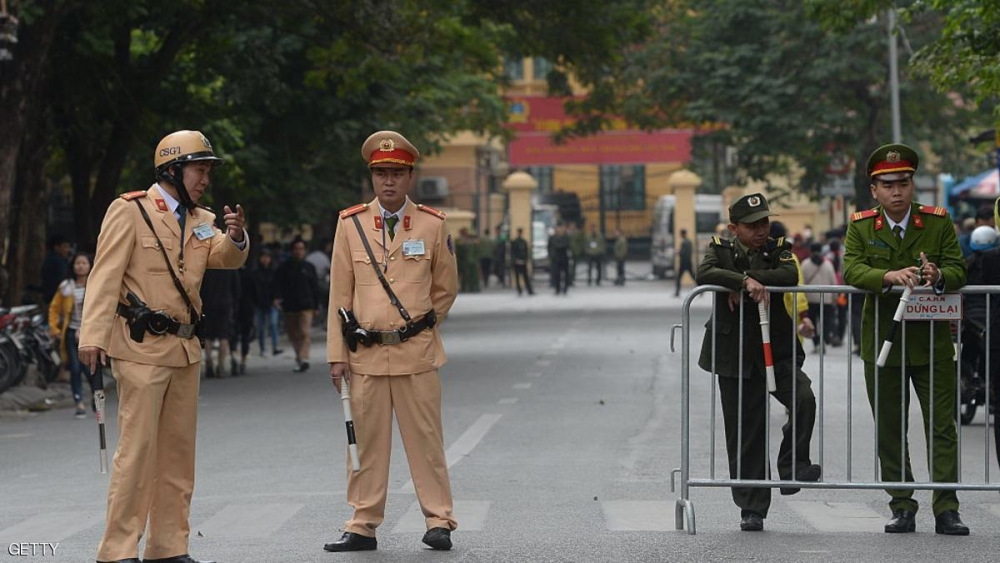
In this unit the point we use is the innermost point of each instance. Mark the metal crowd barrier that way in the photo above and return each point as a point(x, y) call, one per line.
point(684, 509)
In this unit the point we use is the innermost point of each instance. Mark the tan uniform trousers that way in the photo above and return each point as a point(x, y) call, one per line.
point(416, 400)
point(299, 324)
point(153, 470)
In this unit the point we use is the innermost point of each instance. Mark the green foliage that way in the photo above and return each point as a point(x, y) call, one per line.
point(786, 90)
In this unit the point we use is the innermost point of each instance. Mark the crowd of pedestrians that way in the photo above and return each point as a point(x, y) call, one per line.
point(283, 289)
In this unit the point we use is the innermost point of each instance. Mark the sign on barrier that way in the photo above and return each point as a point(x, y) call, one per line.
point(930, 307)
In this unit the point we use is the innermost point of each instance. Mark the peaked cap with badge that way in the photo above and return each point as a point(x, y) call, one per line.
point(389, 149)
point(894, 161)
point(750, 209)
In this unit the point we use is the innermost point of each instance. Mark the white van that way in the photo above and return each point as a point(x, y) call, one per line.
point(709, 214)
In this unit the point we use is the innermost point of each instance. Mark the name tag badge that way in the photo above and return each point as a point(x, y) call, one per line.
point(203, 231)
point(413, 248)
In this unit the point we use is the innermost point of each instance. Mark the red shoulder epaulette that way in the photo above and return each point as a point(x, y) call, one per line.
point(133, 195)
point(931, 210)
point(431, 210)
point(353, 210)
point(866, 214)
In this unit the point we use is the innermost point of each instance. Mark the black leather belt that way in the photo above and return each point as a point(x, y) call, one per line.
point(405, 333)
point(158, 322)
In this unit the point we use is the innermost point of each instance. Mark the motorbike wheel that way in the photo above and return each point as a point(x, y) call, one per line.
point(967, 412)
point(9, 370)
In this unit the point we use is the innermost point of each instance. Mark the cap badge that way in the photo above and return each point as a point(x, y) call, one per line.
point(386, 145)
point(892, 156)
point(204, 141)
point(753, 201)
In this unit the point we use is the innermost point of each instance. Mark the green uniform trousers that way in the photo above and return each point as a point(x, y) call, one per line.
point(893, 449)
point(753, 456)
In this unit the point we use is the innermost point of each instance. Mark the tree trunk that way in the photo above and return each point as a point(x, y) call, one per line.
point(20, 83)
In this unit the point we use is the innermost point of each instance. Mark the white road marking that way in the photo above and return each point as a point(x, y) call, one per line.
point(507, 401)
point(638, 515)
point(248, 520)
point(994, 508)
point(50, 527)
point(464, 444)
point(471, 515)
point(839, 516)
point(522, 386)
point(543, 363)
point(551, 352)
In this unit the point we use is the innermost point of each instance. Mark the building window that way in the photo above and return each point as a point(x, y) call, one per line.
point(542, 66)
point(542, 174)
point(513, 68)
point(623, 187)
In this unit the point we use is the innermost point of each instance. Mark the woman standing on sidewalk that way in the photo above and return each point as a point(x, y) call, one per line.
point(65, 313)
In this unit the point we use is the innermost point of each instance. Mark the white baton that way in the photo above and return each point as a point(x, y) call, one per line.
point(897, 319)
point(352, 443)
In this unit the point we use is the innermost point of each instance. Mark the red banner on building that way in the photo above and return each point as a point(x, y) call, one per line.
point(534, 118)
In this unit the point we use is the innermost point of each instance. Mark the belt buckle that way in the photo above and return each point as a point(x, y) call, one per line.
point(185, 330)
point(390, 337)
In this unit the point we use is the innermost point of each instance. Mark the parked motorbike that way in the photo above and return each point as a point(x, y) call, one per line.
point(973, 371)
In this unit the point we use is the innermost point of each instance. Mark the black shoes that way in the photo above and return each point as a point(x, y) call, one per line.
point(178, 559)
point(902, 522)
point(752, 522)
point(352, 542)
point(950, 524)
point(438, 538)
point(301, 367)
point(810, 474)
point(130, 560)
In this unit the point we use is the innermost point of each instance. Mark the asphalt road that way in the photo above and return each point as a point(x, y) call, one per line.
point(562, 425)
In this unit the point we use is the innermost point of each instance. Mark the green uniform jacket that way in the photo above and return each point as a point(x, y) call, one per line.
point(871, 250)
point(595, 246)
point(725, 264)
point(621, 248)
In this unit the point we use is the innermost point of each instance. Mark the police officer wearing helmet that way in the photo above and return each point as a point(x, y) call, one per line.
point(899, 243)
point(152, 253)
point(393, 278)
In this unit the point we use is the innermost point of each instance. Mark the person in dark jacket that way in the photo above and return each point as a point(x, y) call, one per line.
point(746, 265)
point(243, 322)
point(520, 254)
point(55, 266)
point(298, 287)
point(265, 301)
point(220, 292)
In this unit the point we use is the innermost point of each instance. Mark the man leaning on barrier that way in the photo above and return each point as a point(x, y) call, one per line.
point(900, 243)
point(745, 265)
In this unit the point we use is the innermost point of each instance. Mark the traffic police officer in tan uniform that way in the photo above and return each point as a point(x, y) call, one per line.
point(904, 243)
point(393, 366)
point(150, 242)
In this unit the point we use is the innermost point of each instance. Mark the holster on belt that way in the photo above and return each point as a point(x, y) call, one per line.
point(141, 319)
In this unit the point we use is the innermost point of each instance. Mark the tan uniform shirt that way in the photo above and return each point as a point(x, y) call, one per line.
point(129, 259)
point(421, 281)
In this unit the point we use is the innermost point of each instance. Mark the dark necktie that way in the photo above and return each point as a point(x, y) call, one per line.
point(898, 231)
point(182, 218)
point(390, 225)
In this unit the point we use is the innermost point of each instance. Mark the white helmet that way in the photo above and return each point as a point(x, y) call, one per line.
point(983, 238)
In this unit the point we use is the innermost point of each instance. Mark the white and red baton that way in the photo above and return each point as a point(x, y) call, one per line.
point(897, 320)
point(352, 442)
point(765, 336)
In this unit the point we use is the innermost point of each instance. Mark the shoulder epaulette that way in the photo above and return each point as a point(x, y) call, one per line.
point(723, 242)
point(780, 242)
point(133, 195)
point(931, 210)
point(353, 210)
point(866, 214)
point(431, 210)
point(205, 207)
